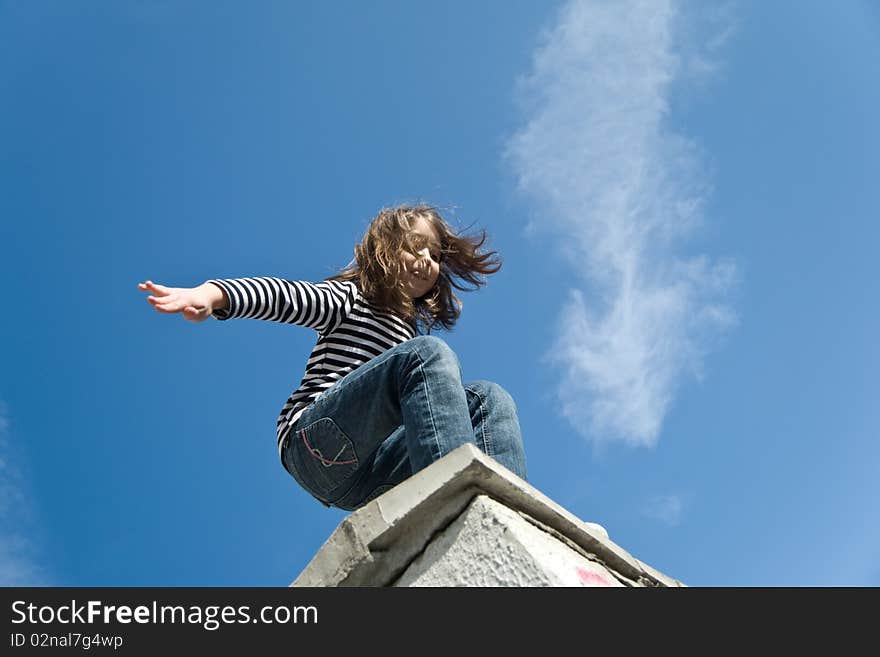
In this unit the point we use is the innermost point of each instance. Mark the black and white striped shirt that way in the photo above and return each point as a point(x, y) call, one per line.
point(350, 330)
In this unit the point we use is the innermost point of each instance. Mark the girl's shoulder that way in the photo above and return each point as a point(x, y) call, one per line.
point(362, 305)
point(340, 286)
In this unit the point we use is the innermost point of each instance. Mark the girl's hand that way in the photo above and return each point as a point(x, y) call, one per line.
point(196, 303)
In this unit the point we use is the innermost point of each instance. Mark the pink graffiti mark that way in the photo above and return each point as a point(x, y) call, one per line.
point(589, 578)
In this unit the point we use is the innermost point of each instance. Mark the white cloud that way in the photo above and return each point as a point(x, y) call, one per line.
point(666, 509)
point(619, 189)
point(17, 564)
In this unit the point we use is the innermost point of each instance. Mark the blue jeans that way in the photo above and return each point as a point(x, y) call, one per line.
point(391, 417)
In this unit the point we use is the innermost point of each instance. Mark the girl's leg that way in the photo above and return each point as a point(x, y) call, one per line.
point(495, 432)
point(496, 425)
point(387, 466)
point(416, 384)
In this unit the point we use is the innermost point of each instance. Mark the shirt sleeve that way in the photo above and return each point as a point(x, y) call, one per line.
point(320, 306)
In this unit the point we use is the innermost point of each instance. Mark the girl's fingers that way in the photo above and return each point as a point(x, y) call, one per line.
point(168, 305)
point(168, 300)
point(158, 289)
point(162, 301)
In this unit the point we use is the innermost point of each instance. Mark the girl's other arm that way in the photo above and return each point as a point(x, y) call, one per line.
point(319, 306)
point(196, 303)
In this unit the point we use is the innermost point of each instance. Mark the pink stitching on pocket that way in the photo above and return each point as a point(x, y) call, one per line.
point(318, 456)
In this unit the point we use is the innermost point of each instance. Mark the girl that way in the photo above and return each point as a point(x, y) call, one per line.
point(381, 398)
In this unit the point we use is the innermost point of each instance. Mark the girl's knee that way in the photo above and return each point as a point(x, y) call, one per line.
point(432, 348)
point(492, 394)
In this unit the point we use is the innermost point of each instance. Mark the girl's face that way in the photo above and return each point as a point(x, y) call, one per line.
point(421, 269)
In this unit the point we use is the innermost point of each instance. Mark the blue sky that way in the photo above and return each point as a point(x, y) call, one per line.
point(686, 317)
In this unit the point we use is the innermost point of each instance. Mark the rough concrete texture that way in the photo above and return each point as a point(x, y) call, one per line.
point(491, 545)
point(375, 545)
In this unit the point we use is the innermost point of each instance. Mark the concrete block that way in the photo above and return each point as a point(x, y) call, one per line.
point(491, 545)
point(375, 545)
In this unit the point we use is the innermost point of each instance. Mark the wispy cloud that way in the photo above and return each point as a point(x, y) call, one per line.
point(620, 189)
point(17, 564)
point(666, 509)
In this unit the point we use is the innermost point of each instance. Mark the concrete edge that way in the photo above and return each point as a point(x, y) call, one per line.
point(373, 545)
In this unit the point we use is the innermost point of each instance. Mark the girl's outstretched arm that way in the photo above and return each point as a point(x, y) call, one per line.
point(196, 303)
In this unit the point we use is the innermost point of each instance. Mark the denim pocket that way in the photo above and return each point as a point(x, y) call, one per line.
point(323, 456)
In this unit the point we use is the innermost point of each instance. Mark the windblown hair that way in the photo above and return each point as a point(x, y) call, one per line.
point(377, 267)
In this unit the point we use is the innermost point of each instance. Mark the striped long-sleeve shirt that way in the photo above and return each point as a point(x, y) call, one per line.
point(350, 330)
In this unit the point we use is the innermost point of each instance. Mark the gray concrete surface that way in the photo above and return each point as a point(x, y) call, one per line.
point(402, 535)
point(491, 545)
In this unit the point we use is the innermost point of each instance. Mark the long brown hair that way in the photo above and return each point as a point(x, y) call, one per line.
point(377, 266)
